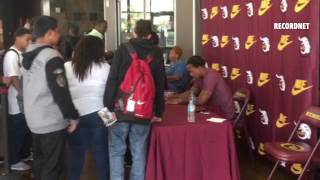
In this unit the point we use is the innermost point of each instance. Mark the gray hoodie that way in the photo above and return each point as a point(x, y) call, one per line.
point(47, 101)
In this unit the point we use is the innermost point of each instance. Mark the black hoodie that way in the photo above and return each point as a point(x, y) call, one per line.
point(120, 64)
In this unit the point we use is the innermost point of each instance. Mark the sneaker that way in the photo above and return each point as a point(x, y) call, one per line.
point(29, 158)
point(20, 166)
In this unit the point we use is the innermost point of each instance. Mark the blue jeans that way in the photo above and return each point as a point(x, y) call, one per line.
point(138, 139)
point(90, 132)
point(19, 137)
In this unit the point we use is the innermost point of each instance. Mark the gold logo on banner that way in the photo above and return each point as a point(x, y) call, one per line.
point(300, 5)
point(299, 87)
point(261, 149)
point(214, 12)
point(205, 39)
point(284, 42)
point(292, 147)
point(296, 168)
point(215, 67)
point(282, 121)
point(250, 109)
point(235, 73)
point(313, 115)
point(263, 79)
point(224, 41)
point(235, 11)
point(251, 40)
point(264, 7)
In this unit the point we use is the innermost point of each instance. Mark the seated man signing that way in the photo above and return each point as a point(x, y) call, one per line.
point(209, 87)
point(177, 74)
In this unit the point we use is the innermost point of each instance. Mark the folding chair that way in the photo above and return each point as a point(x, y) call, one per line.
point(297, 152)
point(241, 99)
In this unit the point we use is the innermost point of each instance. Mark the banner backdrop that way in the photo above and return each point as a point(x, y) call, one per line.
point(272, 48)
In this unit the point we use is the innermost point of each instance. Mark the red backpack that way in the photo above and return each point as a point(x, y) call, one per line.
point(137, 90)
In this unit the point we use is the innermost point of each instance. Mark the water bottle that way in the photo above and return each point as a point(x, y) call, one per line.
point(191, 109)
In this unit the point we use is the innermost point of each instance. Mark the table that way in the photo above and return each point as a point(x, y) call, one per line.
point(180, 150)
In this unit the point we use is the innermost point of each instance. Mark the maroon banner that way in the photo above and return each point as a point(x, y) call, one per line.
point(272, 48)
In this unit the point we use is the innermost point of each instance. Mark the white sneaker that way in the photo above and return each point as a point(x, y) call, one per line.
point(20, 166)
point(29, 158)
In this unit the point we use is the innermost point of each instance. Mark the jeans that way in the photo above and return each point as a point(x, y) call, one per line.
point(19, 138)
point(48, 155)
point(138, 139)
point(90, 132)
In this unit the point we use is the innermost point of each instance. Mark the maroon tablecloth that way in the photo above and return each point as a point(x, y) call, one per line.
point(179, 150)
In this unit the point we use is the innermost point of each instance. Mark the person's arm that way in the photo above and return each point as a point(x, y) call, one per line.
point(178, 73)
point(203, 97)
point(58, 85)
point(160, 85)
point(183, 97)
point(174, 78)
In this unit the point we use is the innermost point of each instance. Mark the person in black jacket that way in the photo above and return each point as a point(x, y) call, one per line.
point(136, 130)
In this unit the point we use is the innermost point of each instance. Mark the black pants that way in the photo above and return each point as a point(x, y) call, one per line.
point(48, 155)
point(19, 138)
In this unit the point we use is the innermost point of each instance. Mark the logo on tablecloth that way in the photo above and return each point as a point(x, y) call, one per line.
point(282, 121)
point(284, 42)
point(283, 6)
point(224, 71)
point(296, 168)
point(249, 77)
point(263, 79)
point(205, 39)
point(304, 131)
point(265, 5)
point(215, 41)
point(292, 147)
point(305, 47)
point(251, 40)
point(261, 150)
point(250, 109)
point(224, 41)
point(235, 73)
point(237, 108)
point(300, 5)
point(264, 119)
point(235, 11)
point(299, 87)
point(249, 6)
point(215, 66)
point(224, 12)
point(214, 12)
point(205, 14)
point(236, 43)
point(282, 82)
point(265, 44)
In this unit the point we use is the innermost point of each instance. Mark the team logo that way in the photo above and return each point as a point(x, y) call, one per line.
point(282, 82)
point(304, 131)
point(214, 12)
point(261, 150)
point(284, 6)
point(224, 71)
point(215, 67)
point(249, 6)
point(282, 121)
point(235, 11)
point(251, 40)
point(263, 79)
point(224, 41)
point(235, 73)
point(215, 41)
point(305, 47)
point(250, 109)
point(249, 77)
point(205, 39)
point(292, 147)
point(224, 10)
point(284, 42)
point(299, 87)
point(205, 14)
point(265, 5)
point(300, 5)
point(61, 81)
point(296, 168)
point(265, 44)
point(237, 108)
point(264, 119)
point(236, 43)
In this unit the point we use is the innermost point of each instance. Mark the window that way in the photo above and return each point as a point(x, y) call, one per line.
point(160, 12)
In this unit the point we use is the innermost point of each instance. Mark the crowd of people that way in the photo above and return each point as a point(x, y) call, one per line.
point(58, 84)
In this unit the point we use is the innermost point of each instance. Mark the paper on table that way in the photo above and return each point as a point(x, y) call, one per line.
point(216, 120)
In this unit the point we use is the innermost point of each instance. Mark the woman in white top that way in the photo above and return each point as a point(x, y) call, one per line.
point(87, 75)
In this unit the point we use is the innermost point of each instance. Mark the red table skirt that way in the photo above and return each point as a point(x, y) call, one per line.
point(179, 150)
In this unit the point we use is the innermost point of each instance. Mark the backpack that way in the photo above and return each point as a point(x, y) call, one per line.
point(2, 55)
point(137, 90)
